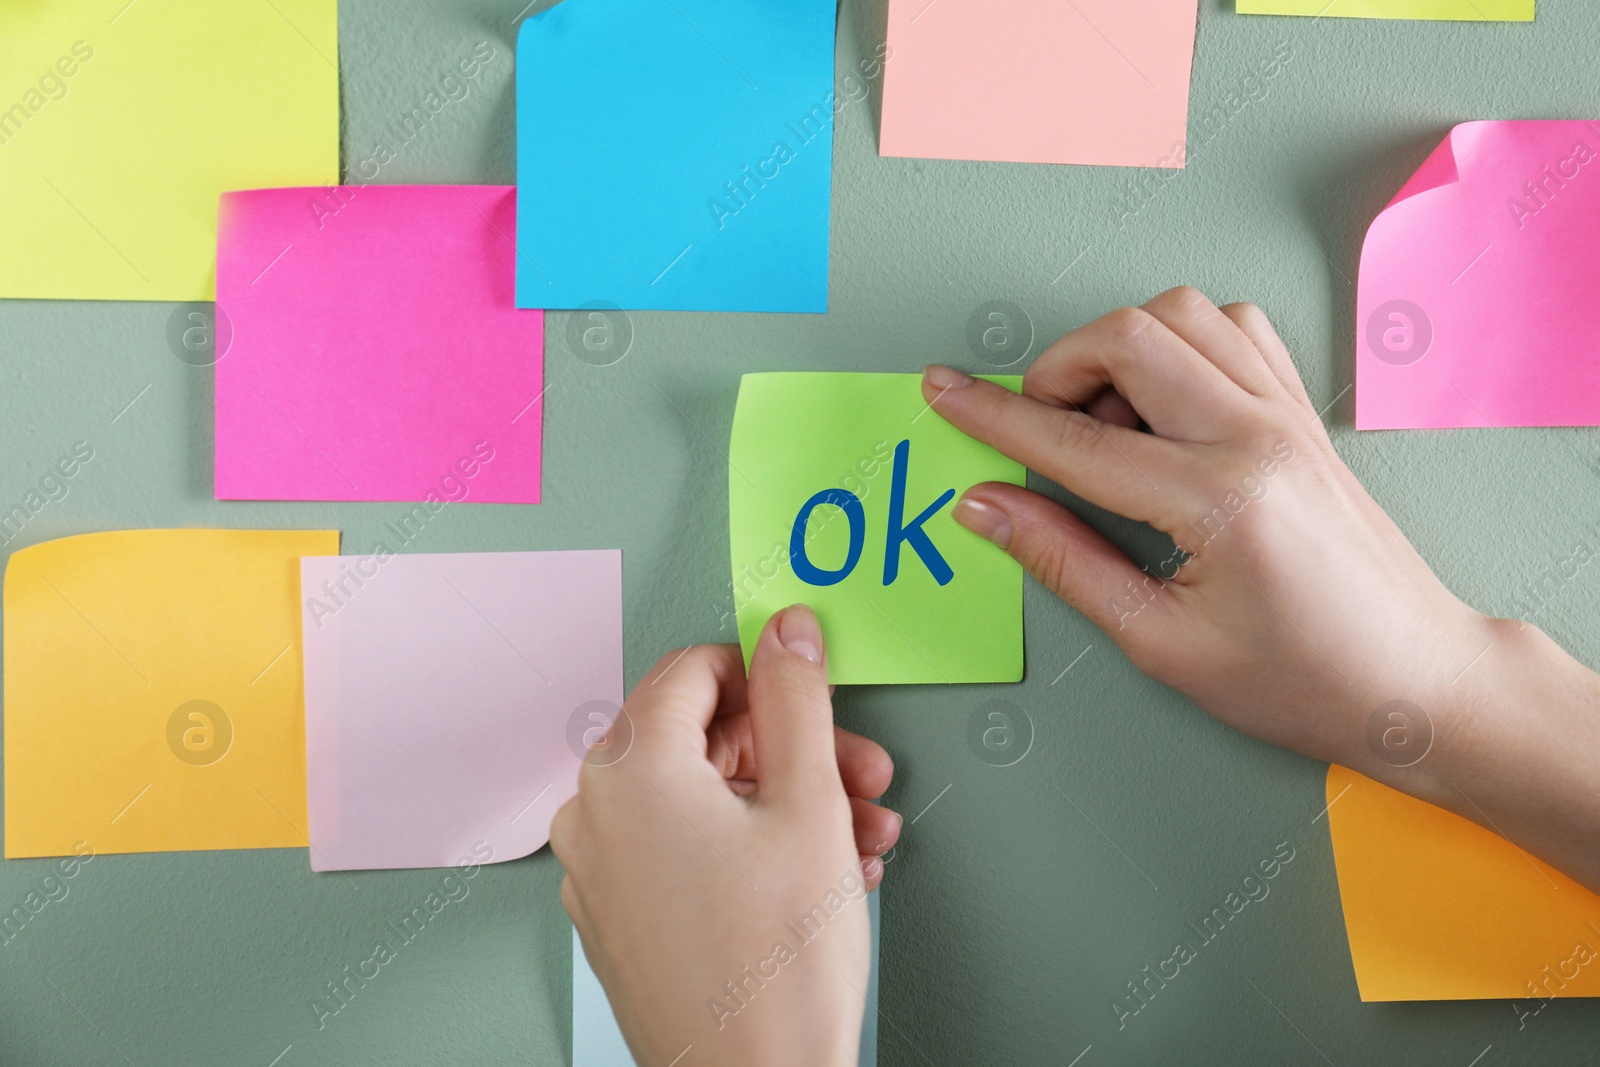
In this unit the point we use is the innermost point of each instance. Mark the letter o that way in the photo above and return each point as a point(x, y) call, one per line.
point(804, 569)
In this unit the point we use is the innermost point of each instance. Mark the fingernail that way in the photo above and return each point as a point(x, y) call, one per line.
point(986, 520)
point(941, 377)
point(800, 633)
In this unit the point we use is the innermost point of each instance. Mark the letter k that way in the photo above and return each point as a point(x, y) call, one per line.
point(912, 532)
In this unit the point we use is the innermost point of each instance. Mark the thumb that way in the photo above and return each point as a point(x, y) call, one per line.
point(1058, 548)
point(791, 714)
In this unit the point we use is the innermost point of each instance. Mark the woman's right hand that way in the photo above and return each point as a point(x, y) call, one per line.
point(1294, 609)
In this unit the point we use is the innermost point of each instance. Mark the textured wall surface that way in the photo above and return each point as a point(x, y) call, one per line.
point(1020, 904)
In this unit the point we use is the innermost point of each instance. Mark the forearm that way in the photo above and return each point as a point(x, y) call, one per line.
point(1516, 749)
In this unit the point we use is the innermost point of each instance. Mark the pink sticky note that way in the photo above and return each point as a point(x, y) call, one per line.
point(450, 699)
point(1477, 302)
point(1039, 81)
point(371, 349)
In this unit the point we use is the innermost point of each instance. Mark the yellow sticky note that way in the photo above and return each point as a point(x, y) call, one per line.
point(1444, 10)
point(153, 692)
point(121, 123)
point(1438, 908)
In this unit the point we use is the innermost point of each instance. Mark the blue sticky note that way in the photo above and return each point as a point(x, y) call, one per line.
point(598, 1042)
point(675, 155)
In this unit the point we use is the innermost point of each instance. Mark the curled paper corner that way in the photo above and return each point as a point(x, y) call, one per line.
point(1437, 170)
point(1473, 306)
point(1438, 908)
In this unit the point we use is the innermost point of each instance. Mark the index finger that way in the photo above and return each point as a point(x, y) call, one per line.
point(1116, 468)
point(676, 700)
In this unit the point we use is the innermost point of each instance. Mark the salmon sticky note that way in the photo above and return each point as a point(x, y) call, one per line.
point(450, 699)
point(683, 151)
point(1456, 10)
point(1438, 908)
point(121, 123)
point(376, 352)
point(1476, 300)
point(1035, 81)
point(153, 692)
point(840, 488)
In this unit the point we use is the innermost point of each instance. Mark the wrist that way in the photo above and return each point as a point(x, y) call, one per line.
point(1410, 723)
point(1514, 740)
point(1502, 718)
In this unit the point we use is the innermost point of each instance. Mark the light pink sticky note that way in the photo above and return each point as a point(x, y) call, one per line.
point(371, 349)
point(450, 699)
point(1039, 81)
point(1479, 282)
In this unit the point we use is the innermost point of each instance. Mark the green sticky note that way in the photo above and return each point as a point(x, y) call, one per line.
point(1459, 10)
point(840, 454)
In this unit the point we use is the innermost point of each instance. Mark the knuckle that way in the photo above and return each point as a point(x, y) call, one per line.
point(685, 662)
point(1124, 325)
point(1046, 559)
point(562, 832)
point(727, 741)
point(1246, 315)
point(1187, 298)
point(1074, 432)
point(704, 657)
point(801, 687)
point(665, 662)
point(1043, 376)
point(1183, 299)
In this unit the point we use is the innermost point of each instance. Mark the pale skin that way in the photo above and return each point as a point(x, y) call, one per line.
point(739, 809)
point(1299, 611)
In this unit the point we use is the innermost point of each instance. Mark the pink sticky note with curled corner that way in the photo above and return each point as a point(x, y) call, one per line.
point(450, 700)
point(1035, 81)
point(370, 347)
point(1477, 300)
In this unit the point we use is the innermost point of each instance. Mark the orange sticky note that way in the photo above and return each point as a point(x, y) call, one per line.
point(1438, 908)
point(1039, 81)
point(153, 692)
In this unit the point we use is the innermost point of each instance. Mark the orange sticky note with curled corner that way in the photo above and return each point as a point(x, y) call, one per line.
point(1438, 908)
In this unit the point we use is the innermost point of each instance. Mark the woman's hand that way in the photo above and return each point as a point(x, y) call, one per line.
point(717, 871)
point(1294, 609)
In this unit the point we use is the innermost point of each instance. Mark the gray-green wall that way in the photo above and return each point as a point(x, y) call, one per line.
point(1013, 915)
